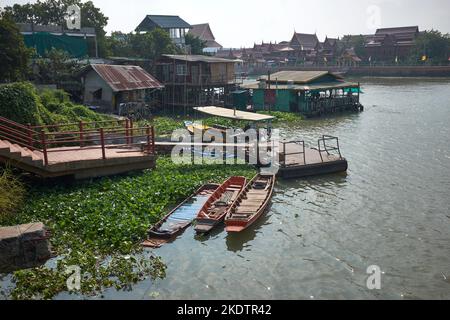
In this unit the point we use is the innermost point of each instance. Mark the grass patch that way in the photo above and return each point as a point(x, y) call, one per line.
point(98, 225)
point(11, 195)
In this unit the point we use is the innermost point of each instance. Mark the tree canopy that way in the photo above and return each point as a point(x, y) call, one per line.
point(433, 45)
point(150, 45)
point(14, 55)
point(197, 45)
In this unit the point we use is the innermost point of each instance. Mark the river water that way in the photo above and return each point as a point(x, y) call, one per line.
point(391, 209)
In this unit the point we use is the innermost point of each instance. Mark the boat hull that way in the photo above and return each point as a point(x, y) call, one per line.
point(214, 211)
point(179, 218)
point(251, 204)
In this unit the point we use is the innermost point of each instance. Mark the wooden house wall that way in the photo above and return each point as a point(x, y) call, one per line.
point(222, 71)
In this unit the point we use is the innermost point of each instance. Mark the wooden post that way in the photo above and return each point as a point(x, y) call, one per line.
point(102, 140)
point(153, 140)
point(148, 140)
point(44, 147)
point(127, 133)
point(81, 134)
point(30, 136)
point(131, 132)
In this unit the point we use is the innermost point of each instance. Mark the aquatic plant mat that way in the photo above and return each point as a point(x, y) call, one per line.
point(98, 226)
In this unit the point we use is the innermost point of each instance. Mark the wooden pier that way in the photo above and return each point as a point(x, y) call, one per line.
point(81, 150)
point(295, 159)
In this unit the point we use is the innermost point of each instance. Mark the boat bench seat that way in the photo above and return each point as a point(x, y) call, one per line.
point(241, 215)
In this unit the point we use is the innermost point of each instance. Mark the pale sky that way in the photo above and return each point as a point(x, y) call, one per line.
point(237, 23)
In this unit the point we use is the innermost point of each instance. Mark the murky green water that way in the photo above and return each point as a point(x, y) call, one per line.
point(391, 209)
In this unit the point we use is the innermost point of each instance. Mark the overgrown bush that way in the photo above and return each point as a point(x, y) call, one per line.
point(23, 103)
point(11, 195)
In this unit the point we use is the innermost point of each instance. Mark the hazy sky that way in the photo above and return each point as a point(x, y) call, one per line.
point(237, 23)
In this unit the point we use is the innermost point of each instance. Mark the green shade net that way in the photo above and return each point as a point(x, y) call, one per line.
point(43, 41)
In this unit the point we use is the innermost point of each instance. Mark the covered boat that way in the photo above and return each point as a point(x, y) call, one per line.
point(251, 203)
point(179, 218)
point(217, 206)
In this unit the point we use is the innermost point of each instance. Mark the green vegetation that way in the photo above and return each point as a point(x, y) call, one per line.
point(197, 45)
point(283, 117)
point(98, 225)
point(14, 56)
point(21, 102)
point(432, 44)
point(56, 67)
point(149, 45)
point(12, 193)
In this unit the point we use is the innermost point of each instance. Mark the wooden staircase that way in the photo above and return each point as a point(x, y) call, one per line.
point(91, 150)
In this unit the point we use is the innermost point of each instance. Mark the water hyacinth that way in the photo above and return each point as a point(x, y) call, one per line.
point(106, 220)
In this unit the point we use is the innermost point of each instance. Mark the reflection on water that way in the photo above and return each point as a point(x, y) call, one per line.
point(237, 242)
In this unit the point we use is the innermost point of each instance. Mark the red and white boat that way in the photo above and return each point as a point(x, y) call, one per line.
point(217, 206)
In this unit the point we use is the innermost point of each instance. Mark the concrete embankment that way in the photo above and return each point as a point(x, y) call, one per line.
point(374, 71)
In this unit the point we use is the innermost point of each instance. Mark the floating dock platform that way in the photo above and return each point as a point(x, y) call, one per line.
point(297, 161)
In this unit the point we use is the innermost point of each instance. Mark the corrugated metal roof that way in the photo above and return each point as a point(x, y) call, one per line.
point(298, 77)
point(126, 78)
point(197, 58)
point(318, 86)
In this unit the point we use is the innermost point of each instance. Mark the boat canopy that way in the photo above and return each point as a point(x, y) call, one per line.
point(234, 114)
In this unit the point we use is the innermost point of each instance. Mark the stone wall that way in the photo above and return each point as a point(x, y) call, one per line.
point(23, 246)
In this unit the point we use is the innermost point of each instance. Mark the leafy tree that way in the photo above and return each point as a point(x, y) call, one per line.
point(150, 45)
point(197, 45)
point(434, 45)
point(357, 42)
point(56, 67)
point(14, 55)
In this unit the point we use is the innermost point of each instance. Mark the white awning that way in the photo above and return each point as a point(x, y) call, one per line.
point(232, 114)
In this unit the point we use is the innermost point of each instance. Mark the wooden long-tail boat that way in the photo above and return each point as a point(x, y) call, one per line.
point(179, 218)
point(217, 206)
point(251, 203)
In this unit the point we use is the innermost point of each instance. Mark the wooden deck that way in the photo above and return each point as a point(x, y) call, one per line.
point(93, 151)
point(84, 154)
point(297, 162)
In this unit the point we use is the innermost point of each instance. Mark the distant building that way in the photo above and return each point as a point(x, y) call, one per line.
point(349, 58)
point(203, 32)
point(308, 92)
point(174, 25)
point(195, 80)
point(391, 44)
point(327, 51)
point(107, 86)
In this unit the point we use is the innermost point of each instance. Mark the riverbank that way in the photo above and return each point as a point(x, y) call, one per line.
point(98, 225)
point(369, 71)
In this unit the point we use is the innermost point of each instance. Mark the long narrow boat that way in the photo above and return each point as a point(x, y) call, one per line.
point(179, 218)
point(215, 209)
point(251, 203)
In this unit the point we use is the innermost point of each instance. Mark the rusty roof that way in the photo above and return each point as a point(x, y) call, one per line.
point(126, 78)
